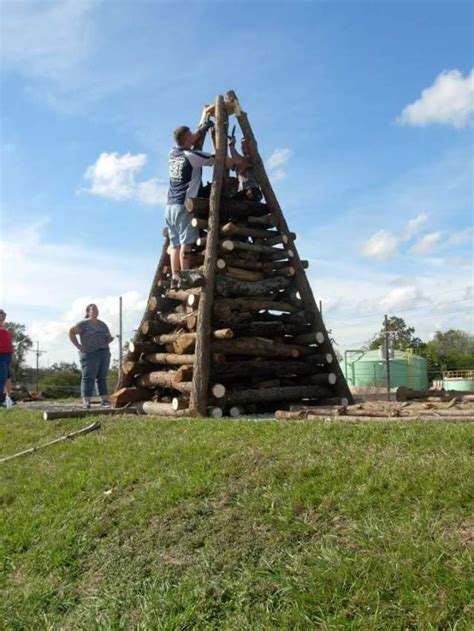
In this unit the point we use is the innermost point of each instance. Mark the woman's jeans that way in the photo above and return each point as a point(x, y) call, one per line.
point(5, 360)
point(94, 366)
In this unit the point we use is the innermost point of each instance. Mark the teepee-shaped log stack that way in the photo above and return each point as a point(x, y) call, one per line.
point(251, 338)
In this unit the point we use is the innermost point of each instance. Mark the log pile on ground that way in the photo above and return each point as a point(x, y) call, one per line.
point(251, 338)
point(456, 409)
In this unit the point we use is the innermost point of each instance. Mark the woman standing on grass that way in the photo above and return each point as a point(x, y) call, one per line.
point(6, 352)
point(94, 354)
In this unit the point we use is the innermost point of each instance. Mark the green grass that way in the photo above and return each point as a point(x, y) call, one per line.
point(236, 525)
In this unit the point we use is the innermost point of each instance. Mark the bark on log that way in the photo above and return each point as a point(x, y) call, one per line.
point(288, 393)
point(154, 408)
point(163, 379)
point(254, 304)
point(170, 359)
point(230, 208)
point(199, 396)
point(137, 349)
point(315, 337)
point(281, 238)
point(322, 379)
point(129, 395)
point(189, 320)
point(183, 294)
point(155, 327)
point(157, 303)
point(263, 220)
point(230, 229)
point(304, 286)
point(136, 368)
point(184, 373)
point(244, 274)
point(169, 338)
point(260, 368)
point(256, 248)
point(253, 346)
point(229, 287)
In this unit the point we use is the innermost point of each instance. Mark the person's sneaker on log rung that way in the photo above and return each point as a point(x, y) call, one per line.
point(174, 284)
point(86, 404)
point(190, 278)
point(106, 405)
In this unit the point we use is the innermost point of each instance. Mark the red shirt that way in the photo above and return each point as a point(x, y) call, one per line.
point(6, 345)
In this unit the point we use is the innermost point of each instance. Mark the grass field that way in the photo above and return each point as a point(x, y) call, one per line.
point(236, 525)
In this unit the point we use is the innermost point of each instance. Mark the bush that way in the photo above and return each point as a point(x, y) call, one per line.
point(60, 385)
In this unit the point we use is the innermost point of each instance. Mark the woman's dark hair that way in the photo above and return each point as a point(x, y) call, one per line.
point(88, 308)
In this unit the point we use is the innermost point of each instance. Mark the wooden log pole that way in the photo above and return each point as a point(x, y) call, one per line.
point(199, 396)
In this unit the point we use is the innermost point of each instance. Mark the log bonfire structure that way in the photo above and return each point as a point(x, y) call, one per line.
point(250, 339)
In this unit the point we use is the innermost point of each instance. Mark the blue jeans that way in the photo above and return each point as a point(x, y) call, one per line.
point(94, 366)
point(5, 360)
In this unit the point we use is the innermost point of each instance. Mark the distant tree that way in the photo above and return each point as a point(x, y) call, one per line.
point(65, 367)
point(22, 343)
point(449, 350)
point(401, 335)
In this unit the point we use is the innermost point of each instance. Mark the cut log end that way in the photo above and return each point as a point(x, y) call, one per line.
point(218, 390)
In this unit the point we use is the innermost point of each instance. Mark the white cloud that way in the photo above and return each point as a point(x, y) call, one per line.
point(427, 243)
point(449, 101)
point(413, 225)
point(113, 176)
point(276, 164)
point(461, 236)
point(279, 158)
point(381, 245)
point(384, 244)
point(152, 192)
point(402, 298)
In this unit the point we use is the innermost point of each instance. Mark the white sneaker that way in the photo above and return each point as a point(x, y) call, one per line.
point(86, 405)
point(8, 403)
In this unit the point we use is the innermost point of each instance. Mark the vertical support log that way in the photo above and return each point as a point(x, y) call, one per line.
point(198, 403)
point(302, 282)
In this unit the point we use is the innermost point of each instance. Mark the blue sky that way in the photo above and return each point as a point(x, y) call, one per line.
point(363, 112)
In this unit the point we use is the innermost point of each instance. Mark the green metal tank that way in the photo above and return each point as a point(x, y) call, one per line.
point(462, 380)
point(368, 368)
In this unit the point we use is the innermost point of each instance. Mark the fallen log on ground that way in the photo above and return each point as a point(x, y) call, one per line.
point(156, 408)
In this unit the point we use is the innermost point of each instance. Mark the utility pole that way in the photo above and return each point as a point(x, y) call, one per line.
point(38, 352)
point(387, 356)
